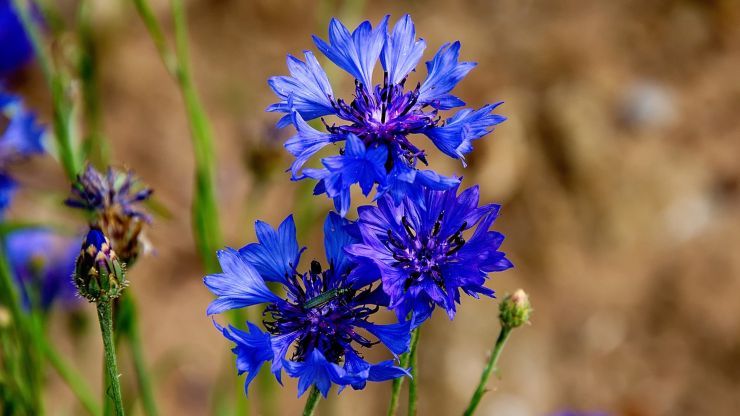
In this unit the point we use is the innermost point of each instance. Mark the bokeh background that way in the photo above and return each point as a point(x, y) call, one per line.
point(617, 170)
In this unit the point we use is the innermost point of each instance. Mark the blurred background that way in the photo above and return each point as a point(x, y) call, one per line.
point(617, 171)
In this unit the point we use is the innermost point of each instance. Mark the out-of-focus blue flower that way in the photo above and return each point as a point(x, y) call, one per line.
point(43, 262)
point(20, 137)
point(424, 252)
point(314, 333)
point(382, 116)
point(15, 47)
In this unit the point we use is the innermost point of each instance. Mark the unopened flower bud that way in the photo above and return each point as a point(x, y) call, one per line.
point(99, 274)
point(515, 310)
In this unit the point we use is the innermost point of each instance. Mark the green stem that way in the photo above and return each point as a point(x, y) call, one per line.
point(414, 382)
point(21, 365)
point(205, 209)
point(177, 63)
point(56, 84)
point(105, 315)
point(481, 390)
point(397, 383)
point(312, 402)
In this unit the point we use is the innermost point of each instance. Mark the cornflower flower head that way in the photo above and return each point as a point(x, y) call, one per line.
point(20, 136)
point(43, 263)
point(15, 46)
point(376, 124)
point(114, 200)
point(427, 250)
point(315, 332)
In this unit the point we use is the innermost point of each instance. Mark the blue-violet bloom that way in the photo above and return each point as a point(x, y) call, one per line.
point(314, 332)
point(377, 123)
point(20, 137)
point(424, 251)
point(43, 263)
point(15, 46)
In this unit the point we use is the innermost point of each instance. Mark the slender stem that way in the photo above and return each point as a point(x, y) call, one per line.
point(414, 382)
point(481, 390)
point(22, 370)
point(56, 84)
point(397, 383)
point(105, 315)
point(177, 63)
point(205, 209)
point(312, 402)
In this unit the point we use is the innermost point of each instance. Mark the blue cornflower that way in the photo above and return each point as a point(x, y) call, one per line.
point(20, 137)
point(15, 46)
point(314, 332)
point(423, 252)
point(43, 262)
point(381, 116)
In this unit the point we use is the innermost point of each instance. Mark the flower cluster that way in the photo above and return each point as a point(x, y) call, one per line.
point(419, 247)
point(20, 136)
point(377, 123)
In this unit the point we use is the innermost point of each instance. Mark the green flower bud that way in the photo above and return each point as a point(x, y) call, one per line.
point(515, 309)
point(99, 274)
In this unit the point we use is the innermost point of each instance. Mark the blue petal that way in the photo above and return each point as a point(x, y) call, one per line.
point(252, 349)
point(315, 371)
point(15, 46)
point(444, 72)
point(22, 136)
point(280, 345)
point(385, 370)
point(307, 90)
point(277, 253)
point(7, 191)
point(357, 370)
point(336, 238)
point(404, 181)
point(355, 53)
point(238, 286)
point(305, 143)
point(402, 51)
point(456, 136)
point(395, 336)
point(356, 165)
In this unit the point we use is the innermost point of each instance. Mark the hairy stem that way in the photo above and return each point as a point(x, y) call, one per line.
point(105, 316)
point(490, 366)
